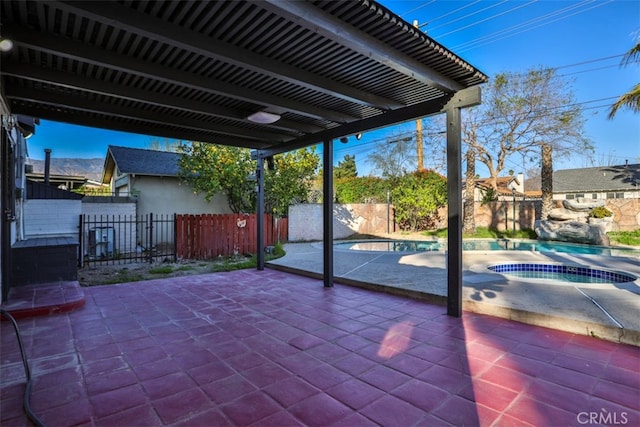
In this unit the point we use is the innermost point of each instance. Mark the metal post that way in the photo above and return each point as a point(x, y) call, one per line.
point(513, 191)
point(81, 242)
point(454, 191)
point(464, 98)
point(327, 213)
point(150, 239)
point(260, 212)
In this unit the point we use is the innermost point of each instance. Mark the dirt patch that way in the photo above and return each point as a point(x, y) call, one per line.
point(107, 274)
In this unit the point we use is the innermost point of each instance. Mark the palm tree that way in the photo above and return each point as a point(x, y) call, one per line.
point(547, 181)
point(630, 99)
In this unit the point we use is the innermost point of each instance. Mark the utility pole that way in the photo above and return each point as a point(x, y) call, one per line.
point(419, 140)
point(420, 143)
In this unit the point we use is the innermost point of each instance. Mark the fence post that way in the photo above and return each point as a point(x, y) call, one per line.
point(80, 242)
point(175, 237)
point(150, 238)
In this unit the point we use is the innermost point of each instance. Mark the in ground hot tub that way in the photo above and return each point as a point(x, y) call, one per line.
point(562, 273)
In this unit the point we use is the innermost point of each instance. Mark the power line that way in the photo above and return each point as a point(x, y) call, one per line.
point(467, 16)
point(492, 38)
point(489, 18)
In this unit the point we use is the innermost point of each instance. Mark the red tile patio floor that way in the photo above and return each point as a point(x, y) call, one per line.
point(269, 348)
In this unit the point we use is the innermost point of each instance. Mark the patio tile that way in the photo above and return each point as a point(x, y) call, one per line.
point(215, 370)
point(74, 413)
point(140, 416)
point(183, 405)
point(228, 389)
point(421, 394)
point(291, 391)
point(265, 374)
point(448, 379)
point(319, 410)
point(250, 409)
point(167, 385)
point(118, 400)
point(109, 381)
point(534, 412)
point(459, 411)
point(391, 411)
point(185, 363)
point(325, 376)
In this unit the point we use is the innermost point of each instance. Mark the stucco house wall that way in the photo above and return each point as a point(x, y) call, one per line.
point(168, 195)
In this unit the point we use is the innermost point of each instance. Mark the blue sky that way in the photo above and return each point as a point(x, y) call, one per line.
point(583, 39)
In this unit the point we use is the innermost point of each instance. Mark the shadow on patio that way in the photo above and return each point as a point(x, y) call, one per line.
point(272, 348)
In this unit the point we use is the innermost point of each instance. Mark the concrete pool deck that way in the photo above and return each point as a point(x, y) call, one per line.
point(608, 311)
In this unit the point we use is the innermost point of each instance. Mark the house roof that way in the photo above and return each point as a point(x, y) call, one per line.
point(502, 183)
point(139, 162)
point(197, 70)
point(603, 178)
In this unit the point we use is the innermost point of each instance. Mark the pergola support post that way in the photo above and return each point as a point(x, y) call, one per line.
point(260, 212)
point(464, 98)
point(327, 213)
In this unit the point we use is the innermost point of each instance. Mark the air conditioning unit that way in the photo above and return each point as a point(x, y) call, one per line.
point(101, 241)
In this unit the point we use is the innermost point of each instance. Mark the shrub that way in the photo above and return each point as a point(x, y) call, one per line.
point(416, 198)
point(600, 212)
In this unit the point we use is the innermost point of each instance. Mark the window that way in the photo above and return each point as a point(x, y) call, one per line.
point(615, 195)
point(594, 196)
point(569, 197)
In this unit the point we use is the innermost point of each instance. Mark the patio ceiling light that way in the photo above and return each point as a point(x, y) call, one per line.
point(263, 117)
point(5, 44)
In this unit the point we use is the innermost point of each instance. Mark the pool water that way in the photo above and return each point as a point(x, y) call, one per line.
point(564, 273)
point(484, 245)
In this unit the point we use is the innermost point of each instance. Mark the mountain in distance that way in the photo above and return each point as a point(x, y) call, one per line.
point(88, 168)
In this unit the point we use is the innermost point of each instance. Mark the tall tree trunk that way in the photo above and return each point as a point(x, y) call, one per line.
point(468, 220)
point(547, 181)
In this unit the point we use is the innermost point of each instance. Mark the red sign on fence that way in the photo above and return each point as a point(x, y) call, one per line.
point(211, 235)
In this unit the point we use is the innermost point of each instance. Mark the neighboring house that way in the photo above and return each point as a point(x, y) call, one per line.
point(63, 182)
point(604, 182)
point(152, 177)
point(505, 186)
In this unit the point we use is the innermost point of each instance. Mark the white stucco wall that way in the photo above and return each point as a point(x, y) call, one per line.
point(51, 218)
point(305, 220)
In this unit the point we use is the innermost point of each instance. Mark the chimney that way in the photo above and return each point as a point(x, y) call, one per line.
point(47, 164)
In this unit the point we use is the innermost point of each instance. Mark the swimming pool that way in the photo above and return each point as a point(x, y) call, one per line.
point(561, 272)
point(483, 245)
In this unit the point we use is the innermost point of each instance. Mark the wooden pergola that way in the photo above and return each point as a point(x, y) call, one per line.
point(313, 71)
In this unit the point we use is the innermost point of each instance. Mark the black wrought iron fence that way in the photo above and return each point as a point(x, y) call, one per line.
point(121, 239)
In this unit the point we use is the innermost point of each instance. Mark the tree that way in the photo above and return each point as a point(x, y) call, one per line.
point(469, 220)
point(417, 197)
point(346, 168)
point(291, 180)
point(547, 181)
point(212, 169)
point(630, 99)
point(394, 157)
point(166, 144)
point(521, 112)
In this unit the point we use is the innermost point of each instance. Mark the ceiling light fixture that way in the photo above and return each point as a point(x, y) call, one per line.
point(5, 45)
point(263, 117)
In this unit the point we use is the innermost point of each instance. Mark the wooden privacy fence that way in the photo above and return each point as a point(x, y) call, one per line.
point(210, 235)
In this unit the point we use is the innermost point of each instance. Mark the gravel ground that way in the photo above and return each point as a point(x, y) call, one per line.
point(122, 273)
